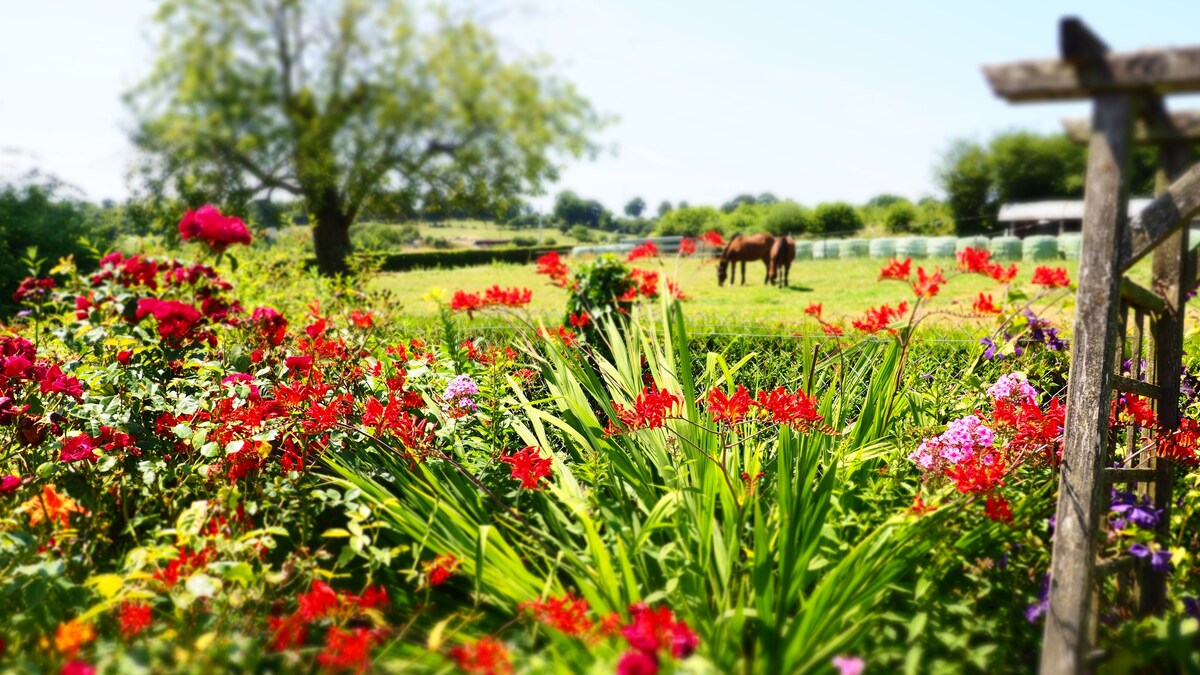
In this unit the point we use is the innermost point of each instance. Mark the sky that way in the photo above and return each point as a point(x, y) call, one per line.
point(814, 101)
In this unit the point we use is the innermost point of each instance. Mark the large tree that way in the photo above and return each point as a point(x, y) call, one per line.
point(349, 105)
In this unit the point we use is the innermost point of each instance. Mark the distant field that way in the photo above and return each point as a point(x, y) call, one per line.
point(846, 288)
point(461, 232)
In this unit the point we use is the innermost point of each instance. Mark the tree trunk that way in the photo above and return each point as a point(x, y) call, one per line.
point(331, 240)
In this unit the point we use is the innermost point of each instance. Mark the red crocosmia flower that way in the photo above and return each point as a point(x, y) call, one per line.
point(634, 662)
point(712, 238)
point(528, 466)
point(927, 285)
point(466, 302)
point(287, 632)
point(361, 319)
point(438, 570)
point(270, 325)
point(1179, 444)
point(896, 270)
point(728, 409)
point(218, 231)
point(567, 614)
point(998, 509)
point(981, 474)
point(487, 656)
point(975, 260)
point(580, 320)
point(796, 409)
point(507, 297)
point(646, 282)
point(135, 617)
point(553, 266)
point(675, 291)
point(375, 597)
point(984, 305)
point(646, 250)
point(880, 318)
point(999, 273)
point(347, 650)
point(687, 246)
point(1139, 411)
point(562, 333)
point(919, 508)
point(1051, 278)
point(814, 309)
point(54, 381)
point(651, 407)
point(319, 602)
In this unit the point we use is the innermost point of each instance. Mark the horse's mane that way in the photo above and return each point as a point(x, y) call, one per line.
point(725, 253)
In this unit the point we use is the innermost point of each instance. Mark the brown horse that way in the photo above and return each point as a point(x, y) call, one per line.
point(742, 248)
point(783, 252)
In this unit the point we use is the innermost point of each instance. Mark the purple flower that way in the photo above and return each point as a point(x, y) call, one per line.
point(990, 352)
point(1139, 550)
point(1191, 607)
point(1160, 561)
point(1043, 602)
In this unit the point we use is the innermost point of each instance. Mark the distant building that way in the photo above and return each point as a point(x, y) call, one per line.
point(1051, 217)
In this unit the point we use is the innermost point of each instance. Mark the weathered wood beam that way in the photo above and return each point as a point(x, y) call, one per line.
point(1141, 297)
point(1184, 127)
point(1068, 631)
point(1086, 70)
point(1171, 210)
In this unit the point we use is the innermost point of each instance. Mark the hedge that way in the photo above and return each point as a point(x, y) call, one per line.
point(466, 257)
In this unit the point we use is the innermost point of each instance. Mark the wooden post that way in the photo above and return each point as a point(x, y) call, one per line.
point(1167, 274)
point(1066, 644)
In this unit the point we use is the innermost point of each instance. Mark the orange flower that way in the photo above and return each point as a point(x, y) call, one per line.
point(985, 305)
point(72, 636)
point(51, 506)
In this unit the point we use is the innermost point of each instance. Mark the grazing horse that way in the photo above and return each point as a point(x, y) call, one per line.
point(783, 252)
point(742, 248)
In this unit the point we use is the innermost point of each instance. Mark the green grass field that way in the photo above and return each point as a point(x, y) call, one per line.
point(846, 288)
point(459, 232)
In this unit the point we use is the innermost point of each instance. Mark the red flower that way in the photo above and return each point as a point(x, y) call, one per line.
point(32, 290)
point(650, 408)
point(926, 286)
point(797, 409)
point(1051, 278)
point(728, 409)
point(981, 474)
point(77, 668)
point(492, 297)
point(54, 381)
point(347, 650)
point(9, 484)
point(580, 320)
point(440, 568)
point(712, 238)
point(124, 356)
point(998, 509)
point(984, 305)
point(896, 270)
point(319, 602)
point(814, 309)
point(287, 632)
point(974, 260)
point(270, 324)
point(487, 656)
point(76, 448)
point(646, 250)
point(997, 272)
point(654, 630)
point(218, 231)
point(301, 364)
point(1180, 444)
point(528, 466)
point(361, 319)
point(880, 318)
point(687, 246)
point(176, 320)
point(634, 662)
point(919, 508)
point(553, 266)
point(567, 614)
point(135, 617)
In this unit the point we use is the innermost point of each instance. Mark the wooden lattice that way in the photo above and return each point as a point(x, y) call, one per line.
point(1116, 321)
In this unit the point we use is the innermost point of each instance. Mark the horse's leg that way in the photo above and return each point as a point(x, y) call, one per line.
point(743, 272)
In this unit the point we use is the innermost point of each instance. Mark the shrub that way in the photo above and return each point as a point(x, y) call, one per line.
point(901, 216)
point(581, 233)
point(689, 221)
point(836, 218)
point(524, 241)
point(788, 217)
point(383, 236)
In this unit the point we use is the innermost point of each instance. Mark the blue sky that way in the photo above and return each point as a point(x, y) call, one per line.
point(813, 101)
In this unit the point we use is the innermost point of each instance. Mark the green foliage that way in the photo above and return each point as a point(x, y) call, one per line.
point(836, 218)
point(571, 210)
point(35, 214)
point(352, 107)
point(634, 207)
point(689, 221)
point(787, 217)
point(463, 257)
point(664, 208)
point(965, 175)
point(384, 237)
point(901, 216)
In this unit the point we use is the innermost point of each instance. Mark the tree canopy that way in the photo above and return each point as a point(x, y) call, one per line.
point(349, 106)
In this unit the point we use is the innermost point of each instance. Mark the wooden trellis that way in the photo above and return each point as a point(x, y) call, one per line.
point(1116, 321)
